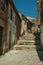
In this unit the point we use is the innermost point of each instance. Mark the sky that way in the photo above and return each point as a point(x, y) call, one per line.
point(27, 7)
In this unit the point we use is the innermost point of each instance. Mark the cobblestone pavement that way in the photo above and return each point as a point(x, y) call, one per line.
point(22, 57)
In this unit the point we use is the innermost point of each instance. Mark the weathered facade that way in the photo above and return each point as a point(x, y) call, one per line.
point(10, 25)
point(23, 25)
point(40, 10)
point(41, 20)
point(26, 24)
point(13, 25)
point(34, 25)
point(3, 25)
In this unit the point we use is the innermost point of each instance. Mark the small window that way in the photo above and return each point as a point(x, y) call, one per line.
point(11, 14)
point(3, 5)
point(41, 15)
point(42, 4)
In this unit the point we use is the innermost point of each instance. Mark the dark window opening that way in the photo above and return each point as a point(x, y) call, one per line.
point(3, 5)
point(9, 40)
point(11, 14)
point(41, 16)
point(41, 13)
point(42, 5)
point(1, 36)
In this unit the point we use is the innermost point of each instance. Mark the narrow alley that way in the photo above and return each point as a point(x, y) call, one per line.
point(26, 52)
point(21, 32)
point(22, 57)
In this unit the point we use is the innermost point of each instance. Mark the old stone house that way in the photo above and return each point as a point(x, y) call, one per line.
point(40, 10)
point(34, 24)
point(26, 24)
point(3, 25)
point(10, 25)
point(41, 22)
point(14, 24)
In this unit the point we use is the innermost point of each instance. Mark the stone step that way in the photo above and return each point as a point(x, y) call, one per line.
point(28, 36)
point(27, 47)
point(25, 42)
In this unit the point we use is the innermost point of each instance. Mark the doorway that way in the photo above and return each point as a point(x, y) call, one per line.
point(1, 35)
point(9, 40)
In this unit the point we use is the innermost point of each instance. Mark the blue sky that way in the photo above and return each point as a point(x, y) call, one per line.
point(27, 7)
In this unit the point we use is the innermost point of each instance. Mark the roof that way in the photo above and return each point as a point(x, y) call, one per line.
point(25, 18)
point(33, 20)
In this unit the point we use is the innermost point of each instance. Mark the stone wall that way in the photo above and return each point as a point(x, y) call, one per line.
point(11, 28)
point(14, 26)
point(23, 27)
point(11, 33)
point(3, 24)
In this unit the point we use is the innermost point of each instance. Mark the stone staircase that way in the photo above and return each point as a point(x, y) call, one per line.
point(28, 47)
point(27, 42)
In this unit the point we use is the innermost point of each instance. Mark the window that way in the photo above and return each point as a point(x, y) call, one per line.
point(3, 5)
point(41, 15)
point(42, 5)
point(11, 14)
point(42, 11)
